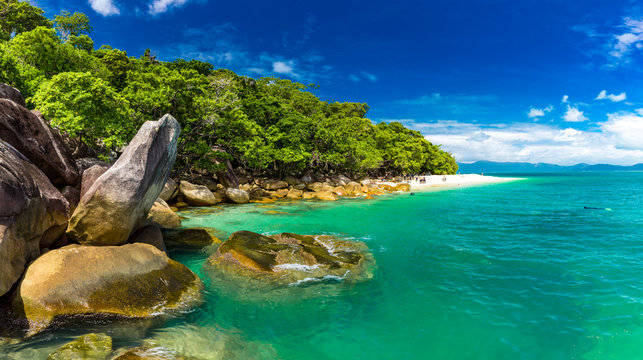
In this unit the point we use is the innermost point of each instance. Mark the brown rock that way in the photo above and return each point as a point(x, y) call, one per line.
point(295, 194)
point(353, 188)
point(291, 258)
point(316, 186)
point(72, 195)
point(151, 235)
point(340, 191)
point(198, 195)
point(31, 136)
point(191, 237)
point(33, 214)
point(119, 200)
point(273, 184)
point(169, 190)
point(325, 195)
point(161, 214)
point(237, 196)
point(402, 187)
point(13, 94)
point(308, 195)
point(281, 193)
point(132, 280)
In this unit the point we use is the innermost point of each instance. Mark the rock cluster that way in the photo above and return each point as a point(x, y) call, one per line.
point(291, 258)
point(50, 200)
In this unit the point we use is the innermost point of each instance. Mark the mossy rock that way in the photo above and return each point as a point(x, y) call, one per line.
point(128, 281)
point(85, 347)
point(291, 258)
point(191, 237)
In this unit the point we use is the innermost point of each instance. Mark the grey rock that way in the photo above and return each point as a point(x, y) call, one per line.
point(11, 93)
point(120, 199)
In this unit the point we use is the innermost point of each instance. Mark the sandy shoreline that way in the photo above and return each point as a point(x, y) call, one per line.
point(437, 182)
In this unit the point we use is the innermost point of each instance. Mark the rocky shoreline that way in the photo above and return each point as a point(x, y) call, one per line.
point(81, 239)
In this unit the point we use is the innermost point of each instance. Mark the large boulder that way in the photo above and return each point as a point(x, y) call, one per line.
point(11, 93)
point(273, 184)
point(198, 195)
point(90, 176)
point(33, 214)
point(30, 135)
point(237, 196)
point(291, 258)
point(120, 199)
point(132, 281)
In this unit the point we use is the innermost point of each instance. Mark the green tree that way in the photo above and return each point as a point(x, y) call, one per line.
point(19, 16)
point(86, 108)
point(71, 25)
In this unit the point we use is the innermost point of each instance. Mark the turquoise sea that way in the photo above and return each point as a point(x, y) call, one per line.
point(518, 270)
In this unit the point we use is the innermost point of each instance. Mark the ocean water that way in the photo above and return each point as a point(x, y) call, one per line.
point(518, 270)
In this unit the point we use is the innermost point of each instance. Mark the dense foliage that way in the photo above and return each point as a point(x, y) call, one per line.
point(267, 126)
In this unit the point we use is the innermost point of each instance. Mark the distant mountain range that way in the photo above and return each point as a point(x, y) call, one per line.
point(523, 167)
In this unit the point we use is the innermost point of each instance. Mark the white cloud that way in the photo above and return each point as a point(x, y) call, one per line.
point(616, 141)
point(354, 78)
point(574, 115)
point(565, 99)
point(614, 98)
point(104, 7)
point(535, 113)
point(625, 130)
point(161, 6)
point(284, 67)
point(625, 42)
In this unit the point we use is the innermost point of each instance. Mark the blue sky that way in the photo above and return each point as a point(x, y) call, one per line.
point(537, 81)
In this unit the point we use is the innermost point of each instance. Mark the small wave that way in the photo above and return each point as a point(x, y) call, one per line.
point(317, 279)
point(299, 267)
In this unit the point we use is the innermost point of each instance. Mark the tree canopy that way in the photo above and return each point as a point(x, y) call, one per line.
point(268, 126)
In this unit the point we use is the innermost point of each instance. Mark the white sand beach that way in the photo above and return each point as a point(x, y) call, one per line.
point(437, 182)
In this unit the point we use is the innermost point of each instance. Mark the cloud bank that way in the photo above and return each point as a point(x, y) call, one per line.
point(615, 141)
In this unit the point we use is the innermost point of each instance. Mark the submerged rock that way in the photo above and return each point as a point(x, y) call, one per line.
point(131, 281)
point(291, 259)
point(85, 347)
point(30, 135)
point(191, 237)
point(33, 214)
point(120, 199)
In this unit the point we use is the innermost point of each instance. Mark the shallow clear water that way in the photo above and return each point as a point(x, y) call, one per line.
point(518, 270)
